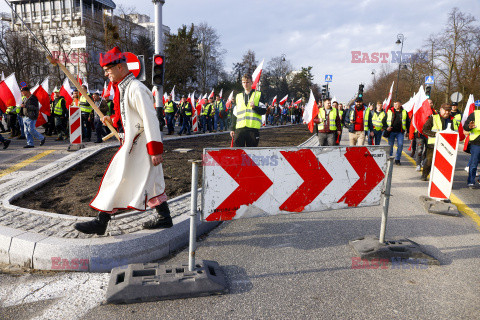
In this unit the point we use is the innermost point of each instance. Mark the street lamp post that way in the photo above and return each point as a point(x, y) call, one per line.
point(400, 40)
point(373, 73)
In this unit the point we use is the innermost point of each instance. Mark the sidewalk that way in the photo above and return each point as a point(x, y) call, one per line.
point(48, 241)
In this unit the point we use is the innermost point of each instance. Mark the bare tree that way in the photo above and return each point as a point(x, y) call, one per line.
point(211, 56)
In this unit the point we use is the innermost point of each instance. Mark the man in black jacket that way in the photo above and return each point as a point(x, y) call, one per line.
point(60, 114)
point(30, 110)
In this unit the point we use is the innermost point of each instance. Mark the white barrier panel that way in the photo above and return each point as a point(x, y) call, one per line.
point(75, 125)
point(254, 182)
point(443, 164)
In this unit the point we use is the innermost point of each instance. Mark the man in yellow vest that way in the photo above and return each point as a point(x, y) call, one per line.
point(375, 124)
point(472, 125)
point(396, 122)
point(170, 111)
point(60, 114)
point(247, 116)
point(87, 117)
point(329, 124)
point(207, 116)
point(185, 110)
point(435, 123)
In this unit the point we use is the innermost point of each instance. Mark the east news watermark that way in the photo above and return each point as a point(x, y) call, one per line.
point(388, 57)
point(393, 263)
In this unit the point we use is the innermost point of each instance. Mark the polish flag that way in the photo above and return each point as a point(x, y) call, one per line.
point(469, 108)
point(274, 100)
point(79, 80)
point(165, 97)
point(173, 93)
point(256, 75)
point(229, 100)
point(203, 100)
point(389, 99)
point(421, 110)
point(40, 91)
point(284, 99)
point(297, 102)
point(108, 91)
point(221, 93)
point(10, 92)
point(310, 112)
point(191, 98)
point(65, 91)
point(211, 95)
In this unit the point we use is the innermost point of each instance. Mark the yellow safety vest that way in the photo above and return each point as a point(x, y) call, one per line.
point(457, 119)
point(246, 117)
point(12, 109)
point(437, 126)
point(169, 107)
point(404, 119)
point(207, 110)
point(185, 108)
point(366, 111)
point(475, 132)
point(332, 116)
point(377, 120)
point(84, 106)
point(58, 107)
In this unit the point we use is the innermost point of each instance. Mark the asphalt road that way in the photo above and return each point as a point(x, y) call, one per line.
point(298, 266)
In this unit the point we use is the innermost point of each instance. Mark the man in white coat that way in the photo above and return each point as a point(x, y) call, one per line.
point(134, 177)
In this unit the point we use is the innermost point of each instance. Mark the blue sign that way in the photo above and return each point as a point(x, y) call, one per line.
point(328, 78)
point(23, 84)
point(477, 103)
point(429, 80)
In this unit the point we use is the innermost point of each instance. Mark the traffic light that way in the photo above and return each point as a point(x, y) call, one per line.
point(158, 71)
point(428, 91)
point(324, 91)
point(360, 91)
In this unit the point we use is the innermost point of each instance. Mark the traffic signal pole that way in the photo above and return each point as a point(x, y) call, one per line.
point(159, 50)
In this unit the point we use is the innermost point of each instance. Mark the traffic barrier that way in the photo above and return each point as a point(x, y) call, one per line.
point(195, 120)
point(240, 183)
point(75, 128)
point(443, 164)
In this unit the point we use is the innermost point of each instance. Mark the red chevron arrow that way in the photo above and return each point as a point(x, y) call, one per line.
point(369, 172)
point(315, 179)
point(252, 182)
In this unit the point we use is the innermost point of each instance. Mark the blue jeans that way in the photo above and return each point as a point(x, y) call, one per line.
point(30, 131)
point(377, 136)
point(170, 117)
point(391, 142)
point(473, 163)
point(20, 124)
point(215, 124)
point(186, 125)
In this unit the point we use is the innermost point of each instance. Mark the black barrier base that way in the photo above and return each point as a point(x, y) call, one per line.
point(144, 282)
point(75, 147)
point(404, 251)
point(444, 207)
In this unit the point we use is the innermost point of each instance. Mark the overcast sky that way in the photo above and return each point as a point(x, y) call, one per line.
point(316, 33)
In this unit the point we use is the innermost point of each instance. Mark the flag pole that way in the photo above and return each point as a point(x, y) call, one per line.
point(67, 73)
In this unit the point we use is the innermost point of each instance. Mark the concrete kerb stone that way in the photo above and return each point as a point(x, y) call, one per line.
point(22, 248)
point(6, 235)
point(54, 253)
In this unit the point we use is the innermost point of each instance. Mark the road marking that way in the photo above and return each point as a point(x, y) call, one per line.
point(25, 163)
point(461, 206)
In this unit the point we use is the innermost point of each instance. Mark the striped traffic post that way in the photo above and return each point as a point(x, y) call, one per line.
point(75, 129)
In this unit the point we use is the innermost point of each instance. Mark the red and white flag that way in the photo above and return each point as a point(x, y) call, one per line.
point(310, 112)
point(297, 102)
point(211, 95)
point(230, 100)
point(108, 91)
point(79, 80)
point(221, 93)
point(165, 97)
point(257, 74)
point(203, 100)
point(274, 100)
point(421, 110)
point(469, 108)
point(10, 92)
point(389, 99)
point(173, 93)
point(40, 91)
point(284, 99)
point(65, 91)
point(191, 99)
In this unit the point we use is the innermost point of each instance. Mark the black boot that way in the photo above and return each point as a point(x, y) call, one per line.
point(97, 225)
point(162, 220)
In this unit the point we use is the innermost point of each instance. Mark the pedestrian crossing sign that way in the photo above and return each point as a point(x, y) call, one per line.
point(328, 78)
point(429, 80)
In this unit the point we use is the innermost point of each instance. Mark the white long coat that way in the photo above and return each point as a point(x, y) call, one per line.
point(131, 179)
